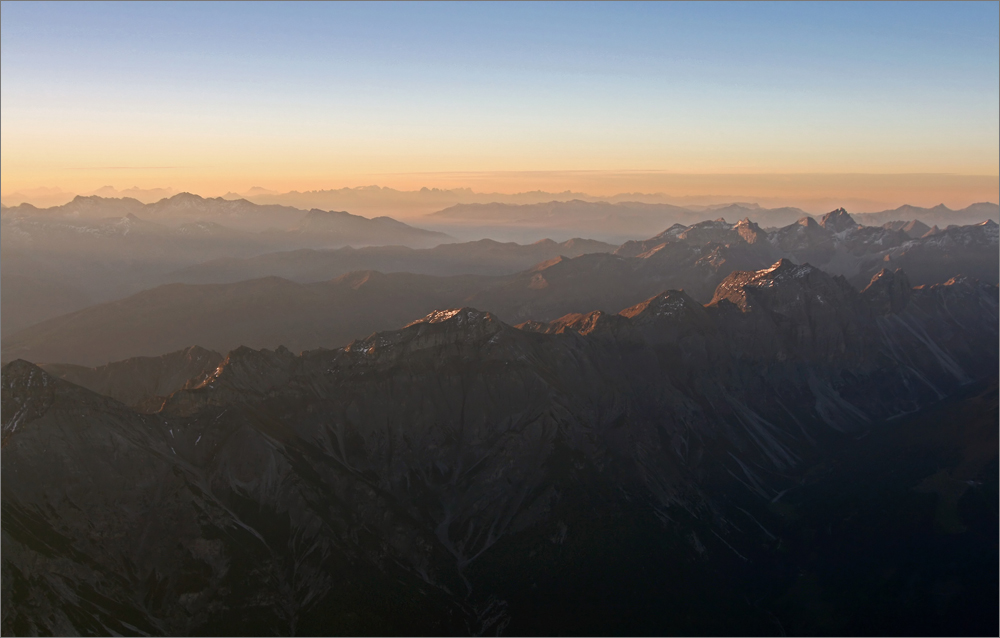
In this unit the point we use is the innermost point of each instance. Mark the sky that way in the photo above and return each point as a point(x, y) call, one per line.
point(594, 97)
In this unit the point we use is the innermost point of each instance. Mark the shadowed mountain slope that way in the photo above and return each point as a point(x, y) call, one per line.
point(667, 470)
point(258, 313)
point(141, 382)
point(483, 257)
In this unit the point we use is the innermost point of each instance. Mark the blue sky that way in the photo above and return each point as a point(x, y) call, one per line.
point(324, 90)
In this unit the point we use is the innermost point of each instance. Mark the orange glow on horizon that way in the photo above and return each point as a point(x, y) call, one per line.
point(811, 192)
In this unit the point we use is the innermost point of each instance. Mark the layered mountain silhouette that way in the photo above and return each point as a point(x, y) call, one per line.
point(268, 312)
point(772, 461)
point(174, 210)
point(483, 257)
point(102, 249)
point(628, 219)
point(914, 229)
point(333, 228)
point(939, 215)
point(96, 249)
point(186, 208)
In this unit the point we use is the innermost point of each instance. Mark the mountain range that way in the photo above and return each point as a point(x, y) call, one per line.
point(271, 311)
point(240, 214)
point(379, 200)
point(939, 215)
point(628, 219)
point(93, 249)
point(772, 461)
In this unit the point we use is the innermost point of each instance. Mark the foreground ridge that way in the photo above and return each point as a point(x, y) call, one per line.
point(422, 461)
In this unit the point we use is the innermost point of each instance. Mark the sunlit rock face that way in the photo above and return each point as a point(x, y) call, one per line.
point(460, 475)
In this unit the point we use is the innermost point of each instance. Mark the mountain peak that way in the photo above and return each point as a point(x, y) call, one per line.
point(185, 197)
point(782, 265)
point(667, 303)
point(456, 316)
point(889, 291)
point(27, 372)
point(27, 394)
point(454, 326)
point(750, 231)
point(594, 322)
point(740, 287)
point(838, 221)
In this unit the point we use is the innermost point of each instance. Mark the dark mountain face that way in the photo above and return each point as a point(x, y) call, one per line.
point(670, 469)
point(143, 383)
point(257, 313)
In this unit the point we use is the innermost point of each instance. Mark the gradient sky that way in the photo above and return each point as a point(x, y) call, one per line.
point(218, 97)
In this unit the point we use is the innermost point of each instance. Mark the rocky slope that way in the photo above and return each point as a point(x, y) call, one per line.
point(143, 383)
point(970, 250)
point(465, 476)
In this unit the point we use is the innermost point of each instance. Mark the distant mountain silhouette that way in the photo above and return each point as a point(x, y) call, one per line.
point(96, 249)
point(939, 215)
point(623, 218)
point(238, 214)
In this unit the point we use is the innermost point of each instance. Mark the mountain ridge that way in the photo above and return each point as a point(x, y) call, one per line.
point(303, 316)
point(436, 454)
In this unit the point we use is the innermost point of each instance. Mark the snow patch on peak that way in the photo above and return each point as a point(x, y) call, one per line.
point(439, 315)
point(460, 316)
